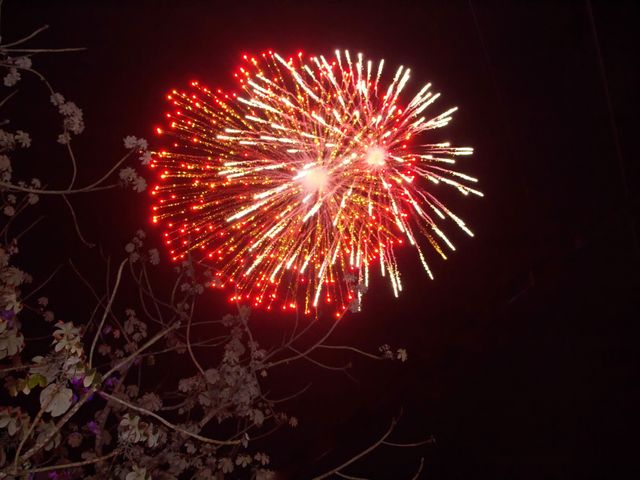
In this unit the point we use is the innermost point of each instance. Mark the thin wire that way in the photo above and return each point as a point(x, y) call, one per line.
point(612, 119)
point(506, 128)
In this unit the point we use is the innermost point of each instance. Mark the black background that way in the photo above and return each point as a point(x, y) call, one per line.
point(522, 352)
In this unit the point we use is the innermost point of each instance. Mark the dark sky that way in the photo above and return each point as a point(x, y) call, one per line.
point(523, 351)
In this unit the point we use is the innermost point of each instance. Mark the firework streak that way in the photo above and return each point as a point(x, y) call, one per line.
point(305, 181)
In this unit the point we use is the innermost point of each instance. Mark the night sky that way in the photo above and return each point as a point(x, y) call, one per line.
point(523, 358)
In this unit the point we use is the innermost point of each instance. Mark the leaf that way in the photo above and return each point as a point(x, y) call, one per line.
point(226, 465)
point(258, 417)
point(56, 399)
point(5, 418)
point(137, 474)
point(11, 342)
point(212, 375)
point(44, 431)
point(402, 355)
point(74, 439)
point(22, 385)
point(88, 380)
point(12, 428)
point(36, 380)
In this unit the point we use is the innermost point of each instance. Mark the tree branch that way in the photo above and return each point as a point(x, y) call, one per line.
point(106, 310)
point(74, 464)
point(144, 411)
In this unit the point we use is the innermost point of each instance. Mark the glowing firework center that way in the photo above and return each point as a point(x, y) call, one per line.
point(310, 177)
point(313, 179)
point(376, 157)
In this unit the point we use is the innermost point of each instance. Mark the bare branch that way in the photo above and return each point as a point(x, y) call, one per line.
point(66, 466)
point(352, 349)
point(75, 221)
point(361, 454)
point(107, 310)
point(144, 411)
point(24, 39)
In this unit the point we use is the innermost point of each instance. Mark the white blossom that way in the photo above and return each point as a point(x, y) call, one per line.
point(132, 142)
point(22, 62)
point(12, 77)
point(154, 256)
point(402, 355)
point(73, 117)
point(145, 158)
point(64, 138)
point(7, 140)
point(57, 99)
point(23, 139)
point(131, 178)
point(137, 474)
point(140, 184)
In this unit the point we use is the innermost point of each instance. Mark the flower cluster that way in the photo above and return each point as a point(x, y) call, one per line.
point(14, 64)
point(130, 178)
point(72, 118)
point(128, 175)
point(11, 278)
point(132, 430)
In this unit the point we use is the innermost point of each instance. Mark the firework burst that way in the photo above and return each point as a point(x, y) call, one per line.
point(310, 177)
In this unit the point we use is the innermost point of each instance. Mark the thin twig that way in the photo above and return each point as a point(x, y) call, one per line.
point(107, 310)
point(17, 188)
point(28, 37)
point(188, 340)
point(66, 466)
point(144, 411)
point(353, 349)
point(320, 364)
point(153, 340)
point(310, 349)
point(75, 220)
point(34, 423)
point(403, 445)
point(5, 99)
point(349, 477)
point(43, 50)
point(299, 392)
point(50, 434)
point(100, 300)
point(361, 454)
point(420, 467)
point(41, 286)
